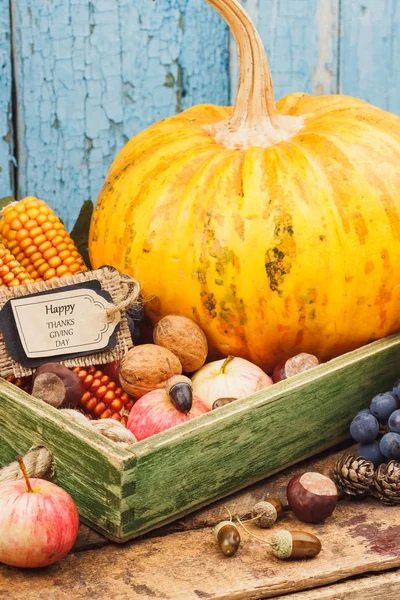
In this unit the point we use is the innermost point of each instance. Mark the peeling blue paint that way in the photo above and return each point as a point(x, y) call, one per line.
point(6, 132)
point(92, 74)
point(301, 41)
point(370, 52)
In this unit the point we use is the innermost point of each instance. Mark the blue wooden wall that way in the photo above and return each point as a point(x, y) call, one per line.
point(78, 78)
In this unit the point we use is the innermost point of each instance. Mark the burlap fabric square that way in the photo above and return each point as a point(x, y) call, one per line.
point(124, 292)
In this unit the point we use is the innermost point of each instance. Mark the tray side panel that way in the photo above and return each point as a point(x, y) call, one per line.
point(86, 465)
point(180, 471)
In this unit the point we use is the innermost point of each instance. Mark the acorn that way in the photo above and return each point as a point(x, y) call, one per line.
point(312, 497)
point(266, 513)
point(180, 391)
point(295, 544)
point(228, 537)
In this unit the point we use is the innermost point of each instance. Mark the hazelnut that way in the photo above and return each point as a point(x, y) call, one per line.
point(147, 368)
point(184, 338)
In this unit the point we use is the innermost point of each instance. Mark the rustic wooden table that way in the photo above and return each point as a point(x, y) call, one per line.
point(360, 558)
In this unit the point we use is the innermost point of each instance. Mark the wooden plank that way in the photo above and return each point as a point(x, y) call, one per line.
point(370, 52)
point(256, 436)
point(301, 40)
point(93, 74)
point(384, 586)
point(240, 503)
point(6, 129)
point(360, 537)
point(88, 465)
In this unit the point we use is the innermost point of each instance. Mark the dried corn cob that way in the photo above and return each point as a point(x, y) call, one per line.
point(103, 399)
point(24, 383)
point(36, 237)
point(11, 272)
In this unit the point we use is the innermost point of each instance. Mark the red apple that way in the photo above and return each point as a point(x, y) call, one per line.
point(38, 525)
point(157, 411)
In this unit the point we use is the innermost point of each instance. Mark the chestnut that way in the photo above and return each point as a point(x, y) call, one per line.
point(228, 537)
point(55, 384)
point(295, 544)
point(312, 497)
point(294, 365)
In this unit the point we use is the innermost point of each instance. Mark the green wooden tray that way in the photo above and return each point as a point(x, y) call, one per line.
point(126, 492)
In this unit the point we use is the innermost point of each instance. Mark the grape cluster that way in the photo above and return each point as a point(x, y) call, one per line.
point(377, 428)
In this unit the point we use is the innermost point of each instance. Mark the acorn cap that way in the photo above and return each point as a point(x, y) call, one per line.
point(175, 380)
point(282, 544)
point(264, 514)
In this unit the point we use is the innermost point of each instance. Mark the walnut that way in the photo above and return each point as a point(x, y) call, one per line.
point(184, 338)
point(146, 368)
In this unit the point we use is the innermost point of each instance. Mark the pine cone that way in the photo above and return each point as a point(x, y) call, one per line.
point(353, 475)
point(387, 483)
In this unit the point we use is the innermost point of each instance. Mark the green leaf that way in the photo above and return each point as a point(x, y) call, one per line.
point(80, 232)
point(6, 201)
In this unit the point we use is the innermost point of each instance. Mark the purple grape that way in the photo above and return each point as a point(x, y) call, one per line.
point(390, 446)
point(382, 406)
point(364, 428)
point(396, 389)
point(364, 410)
point(371, 452)
point(395, 397)
point(394, 421)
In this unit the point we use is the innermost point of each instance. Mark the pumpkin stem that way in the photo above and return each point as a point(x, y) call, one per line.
point(255, 120)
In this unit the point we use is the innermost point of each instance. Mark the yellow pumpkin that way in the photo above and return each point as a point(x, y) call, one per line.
point(275, 227)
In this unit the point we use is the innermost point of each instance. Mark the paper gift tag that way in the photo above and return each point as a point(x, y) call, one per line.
point(63, 323)
point(67, 322)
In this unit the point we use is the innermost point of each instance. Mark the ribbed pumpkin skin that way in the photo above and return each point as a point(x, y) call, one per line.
point(273, 251)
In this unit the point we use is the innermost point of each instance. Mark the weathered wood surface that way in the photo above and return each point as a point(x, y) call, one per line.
point(6, 130)
point(93, 74)
point(361, 537)
point(206, 458)
point(370, 51)
point(301, 40)
point(371, 587)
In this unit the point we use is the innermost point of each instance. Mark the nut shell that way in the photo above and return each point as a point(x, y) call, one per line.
point(312, 497)
point(184, 338)
point(147, 368)
point(73, 386)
